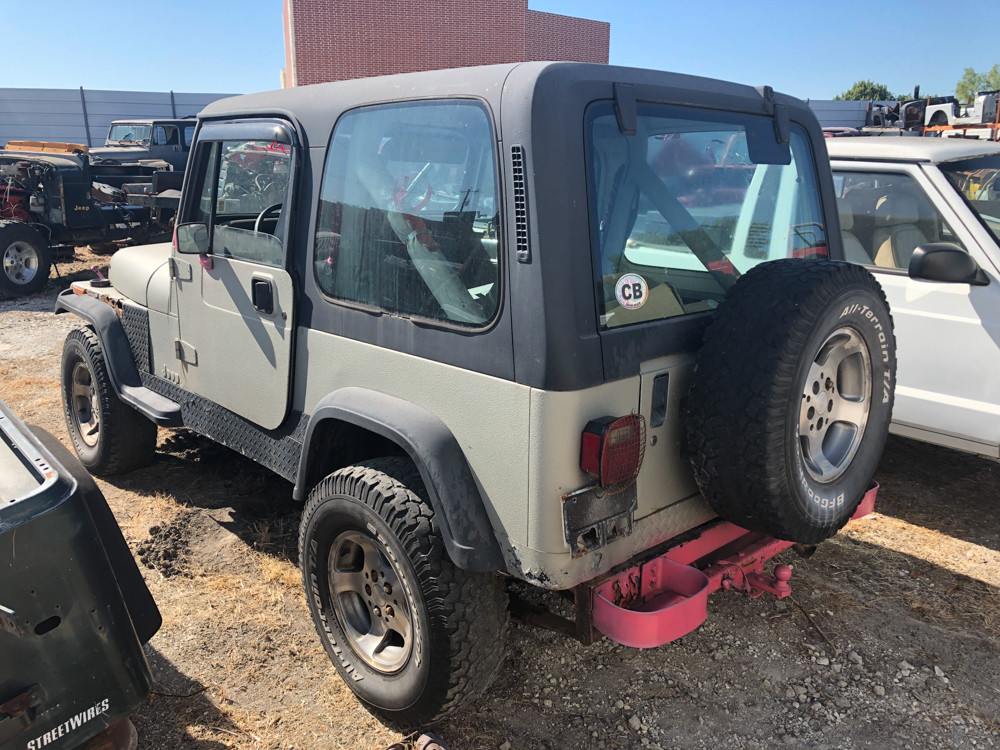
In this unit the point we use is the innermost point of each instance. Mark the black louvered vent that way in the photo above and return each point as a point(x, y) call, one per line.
point(520, 205)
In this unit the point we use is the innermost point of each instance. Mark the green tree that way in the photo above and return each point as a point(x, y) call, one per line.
point(864, 91)
point(971, 82)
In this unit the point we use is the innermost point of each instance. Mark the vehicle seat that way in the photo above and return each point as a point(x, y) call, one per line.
point(896, 233)
point(854, 251)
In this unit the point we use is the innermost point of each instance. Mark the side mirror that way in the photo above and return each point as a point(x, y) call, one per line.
point(192, 238)
point(947, 262)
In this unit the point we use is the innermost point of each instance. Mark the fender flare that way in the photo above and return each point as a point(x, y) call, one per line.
point(451, 487)
point(122, 372)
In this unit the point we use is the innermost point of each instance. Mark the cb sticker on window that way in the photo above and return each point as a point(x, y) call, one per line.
point(630, 291)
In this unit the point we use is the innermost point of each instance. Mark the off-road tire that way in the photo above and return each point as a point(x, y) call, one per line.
point(459, 619)
point(753, 388)
point(24, 260)
point(124, 439)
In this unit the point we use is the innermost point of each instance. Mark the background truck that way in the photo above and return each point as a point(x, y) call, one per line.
point(54, 194)
point(146, 143)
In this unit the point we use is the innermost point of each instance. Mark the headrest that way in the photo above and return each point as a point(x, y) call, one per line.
point(896, 209)
point(846, 216)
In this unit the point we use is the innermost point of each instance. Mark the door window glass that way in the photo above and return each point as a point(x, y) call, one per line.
point(885, 216)
point(408, 215)
point(242, 188)
point(977, 180)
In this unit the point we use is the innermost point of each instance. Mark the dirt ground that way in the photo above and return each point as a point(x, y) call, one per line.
point(890, 639)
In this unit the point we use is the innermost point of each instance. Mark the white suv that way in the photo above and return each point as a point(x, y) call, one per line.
point(924, 215)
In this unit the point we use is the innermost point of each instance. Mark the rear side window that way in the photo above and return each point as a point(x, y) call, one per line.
point(681, 208)
point(408, 219)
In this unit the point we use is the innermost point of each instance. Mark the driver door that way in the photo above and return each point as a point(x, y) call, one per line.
point(235, 298)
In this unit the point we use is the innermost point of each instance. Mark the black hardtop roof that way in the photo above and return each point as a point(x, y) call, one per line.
point(313, 104)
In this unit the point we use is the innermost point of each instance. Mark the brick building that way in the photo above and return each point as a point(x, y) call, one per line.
point(330, 40)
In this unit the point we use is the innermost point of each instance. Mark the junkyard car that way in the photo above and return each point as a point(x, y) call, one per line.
point(74, 610)
point(462, 310)
point(924, 215)
point(134, 141)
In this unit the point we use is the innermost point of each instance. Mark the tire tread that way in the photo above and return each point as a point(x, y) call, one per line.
point(467, 611)
point(128, 439)
point(737, 406)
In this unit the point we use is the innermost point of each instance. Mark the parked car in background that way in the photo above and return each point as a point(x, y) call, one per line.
point(132, 141)
point(924, 215)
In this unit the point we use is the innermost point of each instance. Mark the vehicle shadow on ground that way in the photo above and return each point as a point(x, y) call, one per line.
point(941, 489)
point(201, 474)
point(176, 703)
point(552, 692)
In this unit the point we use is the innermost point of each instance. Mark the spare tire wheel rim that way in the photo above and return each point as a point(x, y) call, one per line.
point(84, 405)
point(20, 262)
point(369, 601)
point(836, 403)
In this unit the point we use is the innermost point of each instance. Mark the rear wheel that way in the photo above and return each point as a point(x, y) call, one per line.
point(25, 261)
point(414, 637)
point(792, 398)
point(109, 436)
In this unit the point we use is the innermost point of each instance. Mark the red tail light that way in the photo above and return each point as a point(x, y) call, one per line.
point(612, 450)
point(174, 240)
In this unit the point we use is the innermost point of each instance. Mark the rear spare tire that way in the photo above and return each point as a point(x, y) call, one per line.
point(792, 398)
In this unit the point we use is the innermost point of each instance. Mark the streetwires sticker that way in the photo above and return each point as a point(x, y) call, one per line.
point(630, 291)
point(74, 722)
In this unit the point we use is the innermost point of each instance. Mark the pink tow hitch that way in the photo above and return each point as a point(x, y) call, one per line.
point(666, 597)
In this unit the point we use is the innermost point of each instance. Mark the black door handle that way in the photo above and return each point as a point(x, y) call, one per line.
point(262, 296)
point(658, 407)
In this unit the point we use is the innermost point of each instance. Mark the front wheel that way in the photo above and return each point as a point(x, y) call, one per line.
point(24, 255)
point(109, 436)
point(413, 636)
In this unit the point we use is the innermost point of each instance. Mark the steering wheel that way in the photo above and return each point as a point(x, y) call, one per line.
point(262, 214)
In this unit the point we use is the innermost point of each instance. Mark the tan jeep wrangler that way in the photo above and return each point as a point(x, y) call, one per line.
point(487, 321)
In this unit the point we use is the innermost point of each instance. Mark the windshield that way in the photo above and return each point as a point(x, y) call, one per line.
point(126, 132)
point(978, 182)
point(686, 205)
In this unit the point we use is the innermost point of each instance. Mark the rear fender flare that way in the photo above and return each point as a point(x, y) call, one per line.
point(451, 487)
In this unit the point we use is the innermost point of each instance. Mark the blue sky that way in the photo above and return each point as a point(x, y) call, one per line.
point(805, 48)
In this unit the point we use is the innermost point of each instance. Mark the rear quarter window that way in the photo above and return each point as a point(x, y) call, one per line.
point(408, 215)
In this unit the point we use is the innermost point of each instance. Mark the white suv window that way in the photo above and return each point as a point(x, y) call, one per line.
point(885, 216)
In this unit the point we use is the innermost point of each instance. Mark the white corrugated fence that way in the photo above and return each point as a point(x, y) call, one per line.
point(83, 115)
